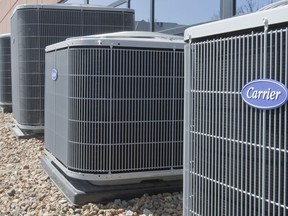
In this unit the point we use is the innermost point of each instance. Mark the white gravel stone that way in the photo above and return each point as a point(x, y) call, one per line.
point(63, 201)
point(129, 213)
point(25, 189)
point(146, 212)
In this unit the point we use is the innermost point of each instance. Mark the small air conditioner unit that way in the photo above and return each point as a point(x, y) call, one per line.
point(236, 128)
point(114, 107)
point(36, 26)
point(5, 72)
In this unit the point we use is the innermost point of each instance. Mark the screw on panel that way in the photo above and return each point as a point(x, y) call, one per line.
point(190, 39)
point(265, 22)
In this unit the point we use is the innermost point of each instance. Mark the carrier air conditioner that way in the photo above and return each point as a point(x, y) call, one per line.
point(114, 107)
point(236, 114)
point(36, 26)
point(5, 71)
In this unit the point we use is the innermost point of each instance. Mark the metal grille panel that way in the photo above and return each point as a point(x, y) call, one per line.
point(36, 27)
point(5, 70)
point(235, 156)
point(124, 109)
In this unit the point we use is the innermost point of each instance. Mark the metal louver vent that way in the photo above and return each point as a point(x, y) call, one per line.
point(36, 26)
point(235, 159)
point(115, 111)
point(5, 71)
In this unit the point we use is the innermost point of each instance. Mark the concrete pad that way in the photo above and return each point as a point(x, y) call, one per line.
point(80, 192)
point(5, 108)
point(25, 134)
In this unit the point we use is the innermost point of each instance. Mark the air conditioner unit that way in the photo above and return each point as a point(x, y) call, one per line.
point(36, 26)
point(236, 133)
point(5, 72)
point(114, 107)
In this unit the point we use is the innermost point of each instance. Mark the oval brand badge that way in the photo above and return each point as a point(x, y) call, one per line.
point(265, 94)
point(54, 74)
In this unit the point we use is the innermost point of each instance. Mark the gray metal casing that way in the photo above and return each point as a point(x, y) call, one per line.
point(235, 156)
point(36, 26)
point(115, 113)
point(5, 70)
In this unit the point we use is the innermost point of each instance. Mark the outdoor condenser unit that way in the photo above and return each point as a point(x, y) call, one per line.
point(5, 71)
point(235, 116)
point(36, 26)
point(114, 107)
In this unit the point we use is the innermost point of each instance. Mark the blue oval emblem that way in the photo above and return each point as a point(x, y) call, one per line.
point(265, 94)
point(54, 74)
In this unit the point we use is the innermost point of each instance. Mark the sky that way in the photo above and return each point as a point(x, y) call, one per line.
point(185, 12)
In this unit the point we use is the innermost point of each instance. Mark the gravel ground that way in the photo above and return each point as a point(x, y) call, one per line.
point(25, 189)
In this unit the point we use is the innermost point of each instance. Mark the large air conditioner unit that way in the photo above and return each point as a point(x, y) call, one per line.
point(235, 116)
point(114, 107)
point(5, 71)
point(36, 26)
